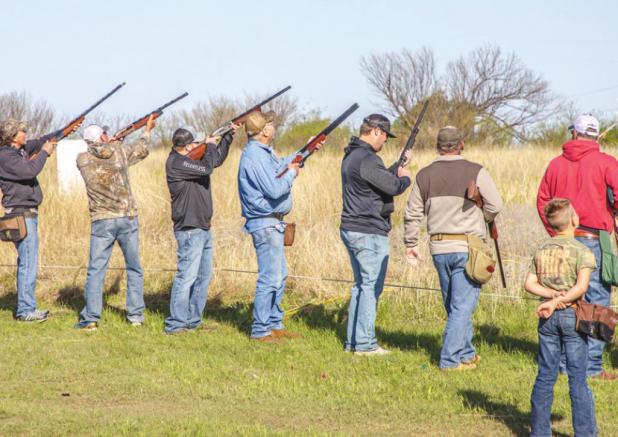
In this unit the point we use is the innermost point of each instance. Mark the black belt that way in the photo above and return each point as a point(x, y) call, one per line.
point(279, 216)
point(588, 229)
point(26, 212)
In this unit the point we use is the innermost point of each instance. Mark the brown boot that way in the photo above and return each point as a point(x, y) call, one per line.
point(282, 333)
point(267, 339)
point(605, 376)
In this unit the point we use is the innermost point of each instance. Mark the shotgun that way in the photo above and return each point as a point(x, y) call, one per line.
point(141, 122)
point(198, 153)
point(309, 149)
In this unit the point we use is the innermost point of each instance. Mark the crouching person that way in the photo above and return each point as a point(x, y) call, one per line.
point(560, 273)
point(113, 211)
point(189, 184)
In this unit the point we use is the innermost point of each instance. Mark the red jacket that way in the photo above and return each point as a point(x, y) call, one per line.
point(581, 174)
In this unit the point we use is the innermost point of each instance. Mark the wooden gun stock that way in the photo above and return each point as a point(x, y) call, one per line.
point(198, 153)
point(136, 125)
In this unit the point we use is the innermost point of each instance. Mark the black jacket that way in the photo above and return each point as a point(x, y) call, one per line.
point(189, 185)
point(368, 189)
point(18, 175)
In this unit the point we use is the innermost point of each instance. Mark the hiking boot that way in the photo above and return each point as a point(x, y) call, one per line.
point(475, 360)
point(376, 351)
point(283, 333)
point(460, 367)
point(36, 316)
point(605, 376)
point(267, 339)
point(88, 327)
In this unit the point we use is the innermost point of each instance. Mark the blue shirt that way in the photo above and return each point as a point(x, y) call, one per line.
point(261, 192)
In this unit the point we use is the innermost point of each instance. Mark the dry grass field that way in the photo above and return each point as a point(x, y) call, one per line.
point(318, 252)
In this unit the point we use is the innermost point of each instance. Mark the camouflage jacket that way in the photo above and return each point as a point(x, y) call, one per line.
point(105, 169)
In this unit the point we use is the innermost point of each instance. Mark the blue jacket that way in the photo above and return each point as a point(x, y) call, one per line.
point(261, 192)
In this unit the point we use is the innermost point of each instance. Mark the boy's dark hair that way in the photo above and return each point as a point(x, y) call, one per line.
point(558, 213)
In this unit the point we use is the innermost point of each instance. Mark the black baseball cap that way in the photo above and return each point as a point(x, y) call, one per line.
point(381, 122)
point(181, 137)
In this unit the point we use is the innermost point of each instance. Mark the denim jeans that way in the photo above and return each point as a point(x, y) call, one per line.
point(272, 274)
point(369, 258)
point(27, 266)
point(555, 334)
point(460, 296)
point(103, 234)
point(190, 288)
point(598, 293)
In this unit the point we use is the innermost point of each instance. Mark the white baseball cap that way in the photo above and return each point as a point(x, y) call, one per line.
point(93, 133)
point(586, 124)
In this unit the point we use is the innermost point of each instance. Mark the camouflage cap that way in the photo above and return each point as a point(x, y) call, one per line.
point(256, 121)
point(9, 128)
point(449, 136)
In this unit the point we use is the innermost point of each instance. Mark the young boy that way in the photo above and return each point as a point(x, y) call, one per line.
point(560, 272)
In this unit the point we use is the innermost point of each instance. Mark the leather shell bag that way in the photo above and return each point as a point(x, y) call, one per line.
point(596, 321)
point(13, 228)
point(481, 264)
point(289, 233)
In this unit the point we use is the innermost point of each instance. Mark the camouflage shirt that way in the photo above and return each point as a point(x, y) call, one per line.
point(558, 261)
point(105, 169)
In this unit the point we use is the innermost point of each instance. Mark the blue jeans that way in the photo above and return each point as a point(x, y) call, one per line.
point(555, 334)
point(190, 288)
point(103, 235)
point(369, 258)
point(598, 293)
point(27, 266)
point(272, 274)
point(460, 295)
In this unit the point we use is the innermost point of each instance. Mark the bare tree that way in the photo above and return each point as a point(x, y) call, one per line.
point(401, 80)
point(38, 115)
point(486, 93)
point(501, 88)
point(285, 107)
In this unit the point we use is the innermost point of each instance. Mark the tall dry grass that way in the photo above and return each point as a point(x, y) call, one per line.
point(64, 226)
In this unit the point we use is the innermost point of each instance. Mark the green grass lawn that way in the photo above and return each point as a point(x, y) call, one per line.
point(137, 381)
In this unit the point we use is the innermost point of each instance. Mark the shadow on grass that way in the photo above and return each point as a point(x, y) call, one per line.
point(317, 316)
point(8, 302)
point(430, 343)
point(491, 335)
point(237, 314)
point(515, 419)
point(73, 297)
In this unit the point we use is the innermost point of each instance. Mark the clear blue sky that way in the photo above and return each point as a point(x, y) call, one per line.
point(71, 52)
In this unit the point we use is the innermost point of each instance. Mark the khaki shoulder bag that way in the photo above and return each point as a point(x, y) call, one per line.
point(481, 264)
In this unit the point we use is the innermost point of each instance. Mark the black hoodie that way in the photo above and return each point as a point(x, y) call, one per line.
point(368, 189)
point(18, 175)
point(189, 185)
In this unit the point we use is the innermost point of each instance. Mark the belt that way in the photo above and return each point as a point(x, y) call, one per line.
point(279, 216)
point(586, 234)
point(440, 237)
point(26, 212)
